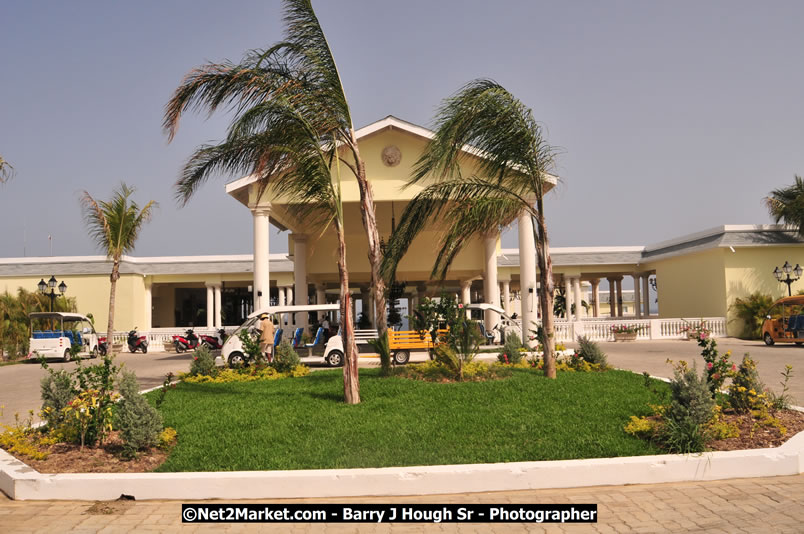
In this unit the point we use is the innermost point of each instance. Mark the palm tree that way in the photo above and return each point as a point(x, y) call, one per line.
point(510, 178)
point(290, 109)
point(115, 225)
point(787, 204)
point(6, 170)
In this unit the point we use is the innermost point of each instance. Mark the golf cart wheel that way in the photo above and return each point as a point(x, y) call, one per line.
point(236, 359)
point(401, 357)
point(93, 353)
point(335, 358)
point(67, 356)
point(768, 339)
point(799, 342)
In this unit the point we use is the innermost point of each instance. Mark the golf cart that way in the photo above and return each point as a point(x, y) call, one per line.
point(505, 325)
point(331, 350)
point(54, 334)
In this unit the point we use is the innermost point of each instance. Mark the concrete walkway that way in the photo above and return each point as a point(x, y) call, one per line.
point(773, 504)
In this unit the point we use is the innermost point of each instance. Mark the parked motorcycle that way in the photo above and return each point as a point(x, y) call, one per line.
point(103, 348)
point(137, 342)
point(214, 342)
point(189, 341)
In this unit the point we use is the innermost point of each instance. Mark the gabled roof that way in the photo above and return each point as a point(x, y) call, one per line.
point(726, 236)
point(388, 123)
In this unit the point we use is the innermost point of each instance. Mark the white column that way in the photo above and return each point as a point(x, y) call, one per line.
point(149, 306)
point(527, 276)
point(568, 298)
point(466, 294)
point(646, 293)
point(210, 307)
point(506, 292)
point(637, 297)
point(596, 297)
point(300, 275)
point(612, 297)
point(576, 297)
point(218, 315)
point(490, 285)
point(619, 296)
point(320, 294)
point(281, 301)
point(289, 318)
point(262, 281)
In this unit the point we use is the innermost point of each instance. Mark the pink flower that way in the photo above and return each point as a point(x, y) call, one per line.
point(733, 367)
point(709, 365)
point(716, 376)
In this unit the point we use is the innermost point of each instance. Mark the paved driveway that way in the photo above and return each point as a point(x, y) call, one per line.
point(19, 384)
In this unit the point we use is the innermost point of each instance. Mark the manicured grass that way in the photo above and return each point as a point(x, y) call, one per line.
point(302, 423)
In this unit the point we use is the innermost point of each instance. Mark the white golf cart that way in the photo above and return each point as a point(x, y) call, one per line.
point(505, 325)
point(330, 350)
point(53, 334)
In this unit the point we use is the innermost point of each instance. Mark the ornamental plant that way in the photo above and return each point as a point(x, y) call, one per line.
point(691, 410)
point(510, 353)
point(718, 368)
point(626, 329)
point(203, 363)
point(746, 389)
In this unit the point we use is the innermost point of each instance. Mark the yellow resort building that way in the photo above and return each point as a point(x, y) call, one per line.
point(690, 278)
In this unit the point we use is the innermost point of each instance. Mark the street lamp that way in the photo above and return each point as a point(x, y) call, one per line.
point(785, 271)
point(43, 287)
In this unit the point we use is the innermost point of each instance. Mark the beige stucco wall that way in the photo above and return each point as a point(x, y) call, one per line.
point(748, 270)
point(692, 285)
point(92, 296)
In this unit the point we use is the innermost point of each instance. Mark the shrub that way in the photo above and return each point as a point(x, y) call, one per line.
point(203, 363)
point(718, 368)
point(591, 352)
point(746, 387)
point(251, 345)
point(511, 352)
point(691, 410)
point(381, 346)
point(167, 438)
point(751, 310)
point(139, 423)
point(783, 400)
point(57, 391)
point(285, 358)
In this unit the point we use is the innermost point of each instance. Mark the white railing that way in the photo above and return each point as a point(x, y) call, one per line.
point(598, 329)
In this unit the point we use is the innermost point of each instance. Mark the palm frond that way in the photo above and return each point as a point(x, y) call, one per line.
point(786, 205)
point(6, 170)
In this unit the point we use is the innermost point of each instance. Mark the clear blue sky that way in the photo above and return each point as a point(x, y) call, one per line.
point(672, 117)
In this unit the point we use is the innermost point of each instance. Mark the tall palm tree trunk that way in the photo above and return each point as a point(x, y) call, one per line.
point(113, 289)
point(351, 384)
point(548, 288)
point(369, 216)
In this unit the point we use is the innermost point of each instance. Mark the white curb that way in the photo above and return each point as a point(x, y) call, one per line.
point(19, 481)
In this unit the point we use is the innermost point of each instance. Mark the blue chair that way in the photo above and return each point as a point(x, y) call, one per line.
point(297, 335)
point(319, 338)
point(278, 337)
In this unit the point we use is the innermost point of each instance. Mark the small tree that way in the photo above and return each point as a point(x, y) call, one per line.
point(115, 225)
point(787, 205)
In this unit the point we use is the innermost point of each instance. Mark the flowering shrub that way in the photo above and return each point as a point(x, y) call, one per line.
point(626, 329)
point(248, 374)
point(91, 410)
point(697, 331)
point(511, 352)
point(203, 363)
point(718, 368)
point(745, 388)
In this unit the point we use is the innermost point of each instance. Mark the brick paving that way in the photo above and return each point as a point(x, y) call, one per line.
point(771, 504)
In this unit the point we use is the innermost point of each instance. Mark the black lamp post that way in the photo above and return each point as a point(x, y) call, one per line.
point(785, 271)
point(43, 287)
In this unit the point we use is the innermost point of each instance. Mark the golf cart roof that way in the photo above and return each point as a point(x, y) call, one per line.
point(485, 306)
point(295, 309)
point(58, 315)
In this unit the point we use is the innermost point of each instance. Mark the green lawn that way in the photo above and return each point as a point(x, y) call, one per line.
point(302, 423)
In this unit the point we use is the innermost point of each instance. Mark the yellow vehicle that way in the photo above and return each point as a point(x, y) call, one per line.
point(401, 342)
point(784, 322)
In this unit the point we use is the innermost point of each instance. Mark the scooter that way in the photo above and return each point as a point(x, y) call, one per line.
point(213, 342)
point(189, 341)
point(137, 342)
point(103, 348)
